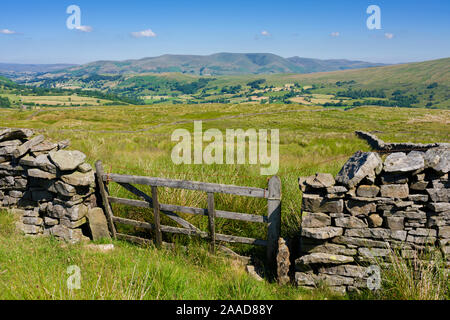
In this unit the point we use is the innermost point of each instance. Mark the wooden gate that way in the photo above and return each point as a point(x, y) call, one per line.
point(272, 220)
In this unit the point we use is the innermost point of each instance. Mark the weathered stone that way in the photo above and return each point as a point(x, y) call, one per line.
point(421, 240)
point(375, 221)
point(359, 166)
point(14, 134)
point(73, 224)
point(28, 228)
point(65, 189)
point(7, 151)
point(77, 212)
point(43, 162)
point(79, 179)
point(24, 148)
point(330, 248)
point(334, 280)
point(10, 143)
point(37, 173)
point(395, 223)
point(31, 213)
point(72, 235)
point(418, 197)
point(375, 233)
point(444, 232)
point(350, 222)
point(414, 215)
point(320, 180)
point(367, 191)
point(322, 233)
point(67, 160)
point(336, 189)
point(305, 279)
point(45, 146)
point(27, 161)
point(323, 258)
point(394, 178)
point(438, 159)
point(283, 262)
point(84, 168)
point(357, 208)
point(398, 191)
point(315, 220)
point(400, 162)
point(33, 221)
point(439, 195)
point(439, 206)
point(399, 235)
point(15, 194)
point(63, 144)
point(373, 253)
point(315, 203)
point(435, 221)
point(56, 211)
point(50, 221)
point(422, 232)
point(346, 271)
point(419, 185)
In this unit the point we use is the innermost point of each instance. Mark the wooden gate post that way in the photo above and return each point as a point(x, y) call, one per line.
point(274, 218)
point(104, 194)
point(211, 221)
point(156, 212)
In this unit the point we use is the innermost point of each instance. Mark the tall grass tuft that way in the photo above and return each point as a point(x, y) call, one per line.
point(423, 277)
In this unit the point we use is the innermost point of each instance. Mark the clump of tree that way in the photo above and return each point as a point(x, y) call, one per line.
point(359, 94)
point(4, 102)
point(256, 84)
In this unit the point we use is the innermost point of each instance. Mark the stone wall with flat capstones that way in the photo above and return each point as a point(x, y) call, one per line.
point(49, 188)
point(370, 210)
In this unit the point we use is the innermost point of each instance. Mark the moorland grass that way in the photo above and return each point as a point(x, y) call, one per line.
point(136, 140)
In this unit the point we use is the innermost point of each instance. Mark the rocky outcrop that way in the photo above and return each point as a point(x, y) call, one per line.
point(401, 203)
point(51, 189)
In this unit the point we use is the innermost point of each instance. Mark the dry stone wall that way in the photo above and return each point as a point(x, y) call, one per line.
point(49, 188)
point(371, 209)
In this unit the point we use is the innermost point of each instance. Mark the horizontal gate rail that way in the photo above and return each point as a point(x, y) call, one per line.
point(272, 194)
point(188, 185)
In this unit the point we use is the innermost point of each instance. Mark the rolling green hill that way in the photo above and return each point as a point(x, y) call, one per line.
point(424, 84)
point(217, 64)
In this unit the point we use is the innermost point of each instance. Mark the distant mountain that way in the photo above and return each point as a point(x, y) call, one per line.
point(316, 65)
point(32, 68)
point(217, 64)
point(16, 71)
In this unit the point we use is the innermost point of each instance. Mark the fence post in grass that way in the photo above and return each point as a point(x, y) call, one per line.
point(157, 216)
point(274, 218)
point(104, 195)
point(211, 220)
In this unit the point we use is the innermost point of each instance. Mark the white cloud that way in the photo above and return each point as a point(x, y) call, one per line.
point(144, 34)
point(7, 31)
point(389, 35)
point(335, 34)
point(84, 28)
point(265, 33)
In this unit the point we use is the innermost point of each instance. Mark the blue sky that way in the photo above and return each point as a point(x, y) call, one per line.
point(36, 32)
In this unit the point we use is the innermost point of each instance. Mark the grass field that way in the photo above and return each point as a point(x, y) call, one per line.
point(137, 140)
point(36, 269)
point(63, 100)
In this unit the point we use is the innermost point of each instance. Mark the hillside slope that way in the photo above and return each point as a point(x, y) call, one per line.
point(218, 64)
